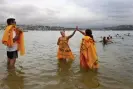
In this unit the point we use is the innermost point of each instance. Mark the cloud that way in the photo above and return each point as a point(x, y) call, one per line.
point(110, 9)
point(2, 2)
point(84, 13)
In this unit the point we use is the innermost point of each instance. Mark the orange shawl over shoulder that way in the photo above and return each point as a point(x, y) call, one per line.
point(8, 38)
point(88, 55)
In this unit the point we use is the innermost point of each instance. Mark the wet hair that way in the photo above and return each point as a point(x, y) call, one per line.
point(108, 38)
point(104, 40)
point(10, 21)
point(88, 32)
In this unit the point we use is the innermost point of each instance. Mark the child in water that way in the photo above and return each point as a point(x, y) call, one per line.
point(64, 51)
point(88, 55)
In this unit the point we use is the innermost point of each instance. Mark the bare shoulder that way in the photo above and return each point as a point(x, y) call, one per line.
point(59, 38)
point(68, 37)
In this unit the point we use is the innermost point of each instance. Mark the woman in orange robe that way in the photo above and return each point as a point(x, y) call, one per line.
point(64, 51)
point(88, 55)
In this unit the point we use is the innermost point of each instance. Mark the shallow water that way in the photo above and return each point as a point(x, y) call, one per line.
point(39, 68)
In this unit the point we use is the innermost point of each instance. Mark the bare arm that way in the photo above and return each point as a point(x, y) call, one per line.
point(58, 41)
point(72, 34)
point(18, 35)
point(19, 30)
point(82, 32)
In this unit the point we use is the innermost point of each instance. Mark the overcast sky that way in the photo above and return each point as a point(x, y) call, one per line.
point(68, 13)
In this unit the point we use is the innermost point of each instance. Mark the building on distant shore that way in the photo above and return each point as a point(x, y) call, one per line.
point(56, 28)
point(120, 27)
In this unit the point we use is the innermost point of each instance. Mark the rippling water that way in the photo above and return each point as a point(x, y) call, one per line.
point(39, 68)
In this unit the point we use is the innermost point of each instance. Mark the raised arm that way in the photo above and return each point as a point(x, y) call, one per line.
point(81, 32)
point(71, 34)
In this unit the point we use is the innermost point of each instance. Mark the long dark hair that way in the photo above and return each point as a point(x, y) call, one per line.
point(88, 32)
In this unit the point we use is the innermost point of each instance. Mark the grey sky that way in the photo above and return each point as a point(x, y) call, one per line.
point(68, 13)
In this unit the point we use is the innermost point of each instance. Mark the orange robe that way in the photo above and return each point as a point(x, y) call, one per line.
point(88, 55)
point(8, 38)
point(64, 51)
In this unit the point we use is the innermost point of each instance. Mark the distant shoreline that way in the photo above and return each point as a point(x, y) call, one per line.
point(72, 30)
point(59, 28)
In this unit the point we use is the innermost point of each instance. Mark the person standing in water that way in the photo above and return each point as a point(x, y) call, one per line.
point(109, 40)
point(88, 54)
point(14, 40)
point(104, 40)
point(64, 51)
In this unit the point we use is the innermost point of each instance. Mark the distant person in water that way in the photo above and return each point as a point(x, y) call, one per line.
point(109, 40)
point(117, 35)
point(14, 40)
point(104, 40)
point(128, 34)
point(88, 54)
point(110, 37)
point(64, 51)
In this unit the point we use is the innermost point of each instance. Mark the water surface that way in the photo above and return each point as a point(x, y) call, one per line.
point(39, 68)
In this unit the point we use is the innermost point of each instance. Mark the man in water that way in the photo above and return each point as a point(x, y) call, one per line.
point(104, 40)
point(10, 39)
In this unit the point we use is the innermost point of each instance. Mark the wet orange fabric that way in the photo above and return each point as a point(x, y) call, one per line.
point(64, 51)
point(8, 38)
point(88, 55)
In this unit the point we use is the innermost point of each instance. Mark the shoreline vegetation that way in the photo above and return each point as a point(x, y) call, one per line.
point(58, 28)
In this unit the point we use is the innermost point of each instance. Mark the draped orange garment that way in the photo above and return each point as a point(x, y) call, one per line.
point(8, 38)
point(64, 51)
point(88, 55)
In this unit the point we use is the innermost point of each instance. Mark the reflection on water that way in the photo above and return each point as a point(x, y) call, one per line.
point(89, 79)
point(13, 80)
point(64, 73)
point(64, 67)
point(39, 68)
